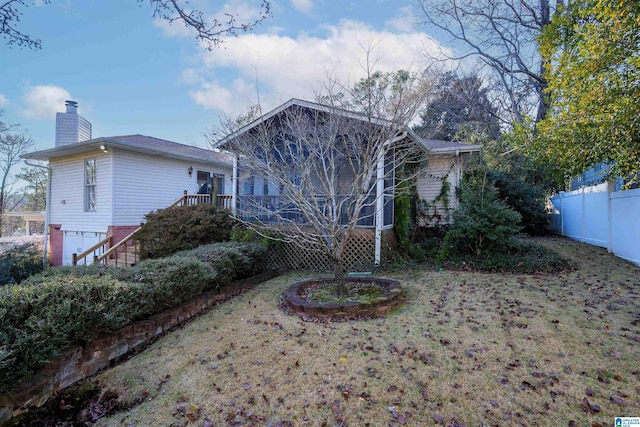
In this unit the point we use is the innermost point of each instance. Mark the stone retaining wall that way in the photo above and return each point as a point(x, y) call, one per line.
point(80, 362)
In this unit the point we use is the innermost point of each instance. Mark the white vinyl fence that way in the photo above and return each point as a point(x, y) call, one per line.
point(599, 216)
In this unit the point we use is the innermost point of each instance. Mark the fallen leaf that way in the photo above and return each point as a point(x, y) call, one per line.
point(588, 407)
point(616, 400)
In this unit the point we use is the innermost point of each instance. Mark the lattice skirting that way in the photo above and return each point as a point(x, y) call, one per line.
point(359, 254)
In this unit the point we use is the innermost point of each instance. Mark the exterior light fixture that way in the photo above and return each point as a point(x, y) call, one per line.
point(190, 170)
point(104, 148)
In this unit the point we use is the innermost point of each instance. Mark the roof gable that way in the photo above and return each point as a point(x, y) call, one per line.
point(294, 102)
point(430, 146)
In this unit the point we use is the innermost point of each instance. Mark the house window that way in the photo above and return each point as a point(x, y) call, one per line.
point(248, 186)
point(219, 183)
point(90, 185)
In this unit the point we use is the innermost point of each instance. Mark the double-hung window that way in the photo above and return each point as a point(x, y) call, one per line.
point(90, 185)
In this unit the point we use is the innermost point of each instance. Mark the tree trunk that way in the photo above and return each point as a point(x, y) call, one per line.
point(339, 277)
point(1, 208)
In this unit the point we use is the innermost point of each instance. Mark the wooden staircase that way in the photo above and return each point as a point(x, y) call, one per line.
point(126, 253)
point(128, 257)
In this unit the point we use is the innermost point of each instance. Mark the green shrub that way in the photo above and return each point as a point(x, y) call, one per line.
point(483, 222)
point(525, 198)
point(521, 257)
point(38, 321)
point(72, 305)
point(232, 260)
point(170, 230)
point(19, 262)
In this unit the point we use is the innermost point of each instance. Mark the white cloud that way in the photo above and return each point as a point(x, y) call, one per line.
point(3, 101)
point(404, 21)
point(231, 99)
point(302, 5)
point(284, 67)
point(42, 102)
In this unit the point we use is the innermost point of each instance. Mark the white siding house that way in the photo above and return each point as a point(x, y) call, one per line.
point(105, 186)
point(438, 182)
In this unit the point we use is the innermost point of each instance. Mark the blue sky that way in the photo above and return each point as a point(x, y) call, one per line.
point(131, 74)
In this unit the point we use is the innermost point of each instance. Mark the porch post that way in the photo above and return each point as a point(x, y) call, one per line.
point(379, 205)
point(234, 186)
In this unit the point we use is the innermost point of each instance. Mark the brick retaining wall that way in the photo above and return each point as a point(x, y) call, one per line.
point(80, 362)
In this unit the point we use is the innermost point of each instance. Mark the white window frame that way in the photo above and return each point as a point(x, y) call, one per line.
point(90, 186)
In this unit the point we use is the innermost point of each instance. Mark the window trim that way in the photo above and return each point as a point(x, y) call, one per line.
point(88, 185)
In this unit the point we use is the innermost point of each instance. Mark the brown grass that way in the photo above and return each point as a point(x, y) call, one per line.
point(466, 348)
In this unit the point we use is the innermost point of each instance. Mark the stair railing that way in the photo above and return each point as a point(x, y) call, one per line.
point(104, 246)
point(101, 247)
point(124, 243)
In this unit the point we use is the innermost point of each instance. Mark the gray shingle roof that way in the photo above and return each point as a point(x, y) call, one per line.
point(138, 143)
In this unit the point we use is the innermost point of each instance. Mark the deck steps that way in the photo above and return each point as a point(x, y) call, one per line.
point(127, 258)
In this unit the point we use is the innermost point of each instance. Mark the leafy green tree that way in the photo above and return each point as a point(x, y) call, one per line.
point(593, 70)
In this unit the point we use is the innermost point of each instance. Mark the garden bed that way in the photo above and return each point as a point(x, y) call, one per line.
point(368, 298)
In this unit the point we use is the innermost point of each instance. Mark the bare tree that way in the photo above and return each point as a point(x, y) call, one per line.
point(503, 36)
point(12, 146)
point(35, 189)
point(208, 29)
point(312, 172)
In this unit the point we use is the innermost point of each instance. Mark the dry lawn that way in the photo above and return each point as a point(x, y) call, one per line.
point(465, 349)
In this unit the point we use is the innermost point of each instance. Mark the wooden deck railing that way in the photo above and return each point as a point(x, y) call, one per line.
point(103, 251)
point(115, 252)
point(99, 247)
point(222, 200)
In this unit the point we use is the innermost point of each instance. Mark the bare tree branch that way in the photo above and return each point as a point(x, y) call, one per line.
point(12, 146)
point(314, 172)
point(503, 35)
point(209, 30)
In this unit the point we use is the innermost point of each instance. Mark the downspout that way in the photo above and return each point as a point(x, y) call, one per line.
point(47, 210)
point(380, 195)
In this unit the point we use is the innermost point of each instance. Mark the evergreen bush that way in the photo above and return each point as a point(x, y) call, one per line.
point(483, 222)
point(525, 198)
point(73, 305)
point(19, 262)
point(174, 229)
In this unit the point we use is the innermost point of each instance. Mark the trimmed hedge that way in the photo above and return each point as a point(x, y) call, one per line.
point(19, 262)
point(73, 305)
point(170, 230)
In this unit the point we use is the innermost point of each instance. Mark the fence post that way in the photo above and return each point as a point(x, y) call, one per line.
point(584, 216)
point(610, 190)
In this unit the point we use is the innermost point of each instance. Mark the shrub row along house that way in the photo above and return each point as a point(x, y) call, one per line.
point(334, 161)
